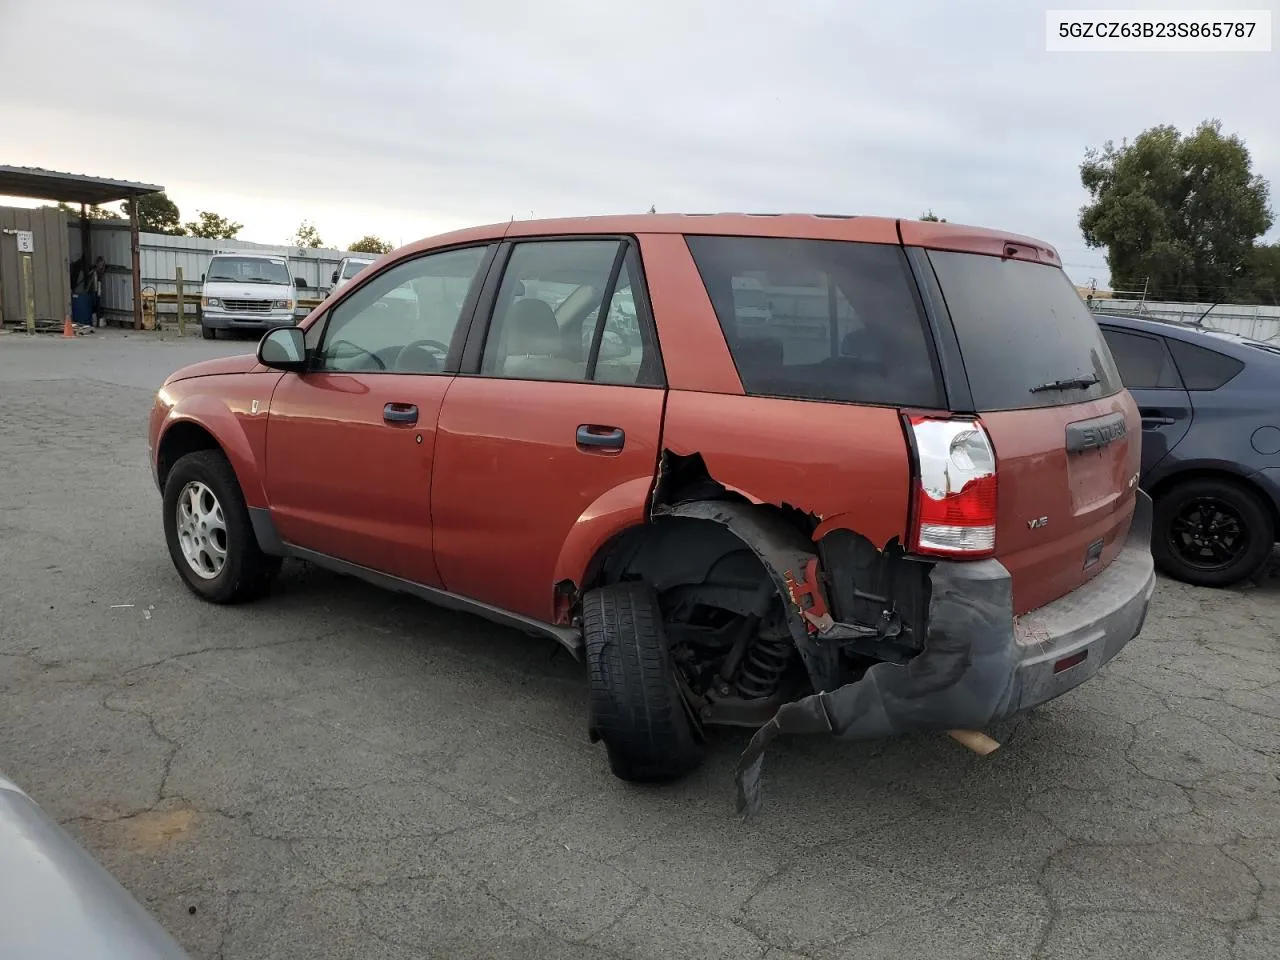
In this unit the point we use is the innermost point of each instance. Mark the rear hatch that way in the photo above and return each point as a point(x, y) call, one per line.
point(1066, 434)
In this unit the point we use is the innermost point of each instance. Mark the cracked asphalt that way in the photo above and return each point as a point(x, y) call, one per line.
point(337, 772)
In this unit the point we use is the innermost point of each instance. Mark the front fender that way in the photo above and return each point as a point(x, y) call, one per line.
point(240, 432)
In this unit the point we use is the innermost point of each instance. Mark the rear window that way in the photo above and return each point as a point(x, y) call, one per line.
point(820, 319)
point(1026, 337)
point(1202, 368)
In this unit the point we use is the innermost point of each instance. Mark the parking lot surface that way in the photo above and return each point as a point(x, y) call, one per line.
point(338, 772)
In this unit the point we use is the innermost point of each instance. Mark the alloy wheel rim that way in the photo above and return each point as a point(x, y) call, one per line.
point(1208, 534)
point(202, 530)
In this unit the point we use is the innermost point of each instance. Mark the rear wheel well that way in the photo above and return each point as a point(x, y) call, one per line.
point(1186, 476)
point(179, 440)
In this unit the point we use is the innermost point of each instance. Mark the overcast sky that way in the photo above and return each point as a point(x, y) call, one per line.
point(407, 119)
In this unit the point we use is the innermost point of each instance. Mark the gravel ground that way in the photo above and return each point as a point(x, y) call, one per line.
point(338, 772)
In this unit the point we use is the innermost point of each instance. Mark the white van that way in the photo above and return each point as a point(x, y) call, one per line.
point(247, 291)
point(347, 268)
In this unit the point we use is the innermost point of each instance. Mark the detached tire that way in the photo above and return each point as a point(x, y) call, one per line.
point(210, 536)
point(1211, 532)
point(635, 706)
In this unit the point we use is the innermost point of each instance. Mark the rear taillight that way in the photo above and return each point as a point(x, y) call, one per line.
point(955, 488)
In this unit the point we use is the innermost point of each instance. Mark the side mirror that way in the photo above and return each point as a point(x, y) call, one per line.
point(299, 282)
point(283, 348)
point(334, 278)
point(202, 278)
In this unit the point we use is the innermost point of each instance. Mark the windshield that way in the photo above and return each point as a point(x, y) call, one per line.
point(248, 270)
point(1026, 337)
point(352, 268)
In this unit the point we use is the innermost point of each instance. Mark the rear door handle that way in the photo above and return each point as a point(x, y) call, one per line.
point(400, 413)
point(1155, 418)
point(591, 436)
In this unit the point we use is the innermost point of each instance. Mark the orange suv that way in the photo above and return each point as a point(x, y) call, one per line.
point(802, 473)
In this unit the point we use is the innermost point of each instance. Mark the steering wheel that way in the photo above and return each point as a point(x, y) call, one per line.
point(368, 353)
point(433, 345)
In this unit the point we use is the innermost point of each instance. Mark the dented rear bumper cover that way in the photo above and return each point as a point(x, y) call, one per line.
point(980, 663)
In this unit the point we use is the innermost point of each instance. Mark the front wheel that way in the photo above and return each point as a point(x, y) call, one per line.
point(210, 535)
point(208, 332)
point(1211, 532)
point(636, 707)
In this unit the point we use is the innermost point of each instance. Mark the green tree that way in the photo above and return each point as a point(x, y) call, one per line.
point(932, 217)
point(1177, 213)
point(307, 236)
point(370, 244)
point(1260, 281)
point(91, 211)
point(156, 214)
point(212, 226)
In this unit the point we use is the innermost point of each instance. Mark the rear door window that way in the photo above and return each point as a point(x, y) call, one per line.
point(1026, 337)
point(1143, 361)
point(1202, 368)
point(820, 319)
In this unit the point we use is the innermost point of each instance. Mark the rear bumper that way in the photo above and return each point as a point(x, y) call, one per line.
point(980, 663)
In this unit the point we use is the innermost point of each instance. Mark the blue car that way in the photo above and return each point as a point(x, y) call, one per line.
point(1210, 406)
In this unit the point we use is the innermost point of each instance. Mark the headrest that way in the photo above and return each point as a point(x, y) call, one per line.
point(532, 329)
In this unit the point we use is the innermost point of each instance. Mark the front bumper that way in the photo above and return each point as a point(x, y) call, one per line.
point(980, 663)
point(247, 321)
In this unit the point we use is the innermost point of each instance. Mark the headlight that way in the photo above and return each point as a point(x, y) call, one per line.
point(281, 304)
point(210, 302)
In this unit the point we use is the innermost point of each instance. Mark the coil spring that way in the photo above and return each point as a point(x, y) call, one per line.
point(763, 666)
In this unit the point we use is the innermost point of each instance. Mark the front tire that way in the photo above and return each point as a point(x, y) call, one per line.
point(208, 332)
point(1211, 532)
point(636, 707)
point(209, 533)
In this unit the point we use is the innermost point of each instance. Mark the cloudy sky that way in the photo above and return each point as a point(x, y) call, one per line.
point(405, 119)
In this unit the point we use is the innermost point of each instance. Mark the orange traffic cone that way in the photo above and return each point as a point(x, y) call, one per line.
point(66, 328)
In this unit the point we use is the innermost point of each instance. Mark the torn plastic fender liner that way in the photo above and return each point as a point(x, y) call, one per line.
point(786, 554)
point(963, 679)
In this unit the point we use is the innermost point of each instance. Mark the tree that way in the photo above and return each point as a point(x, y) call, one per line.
point(932, 217)
point(307, 236)
point(1179, 214)
point(91, 211)
point(156, 214)
point(370, 244)
point(212, 226)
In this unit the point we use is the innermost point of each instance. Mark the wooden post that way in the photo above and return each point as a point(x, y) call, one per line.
point(28, 293)
point(135, 245)
point(182, 305)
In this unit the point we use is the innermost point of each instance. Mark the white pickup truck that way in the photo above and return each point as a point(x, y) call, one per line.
point(348, 267)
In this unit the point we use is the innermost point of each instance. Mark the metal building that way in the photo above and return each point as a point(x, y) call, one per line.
point(34, 278)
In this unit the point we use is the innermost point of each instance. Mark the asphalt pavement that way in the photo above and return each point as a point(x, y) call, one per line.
point(336, 772)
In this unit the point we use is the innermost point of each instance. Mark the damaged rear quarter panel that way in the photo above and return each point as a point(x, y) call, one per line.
point(847, 465)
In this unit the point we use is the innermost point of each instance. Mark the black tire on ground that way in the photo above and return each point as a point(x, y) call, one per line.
point(247, 572)
point(635, 706)
point(208, 332)
point(1255, 521)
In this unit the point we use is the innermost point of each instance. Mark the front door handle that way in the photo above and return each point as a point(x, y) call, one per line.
point(400, 413)
point(594, 437)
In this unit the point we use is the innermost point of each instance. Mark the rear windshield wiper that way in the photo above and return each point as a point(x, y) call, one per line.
point(1074, 383)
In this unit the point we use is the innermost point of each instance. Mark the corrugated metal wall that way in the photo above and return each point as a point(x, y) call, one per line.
point(50, 265)
point(1256, 322)
point(160, 255)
